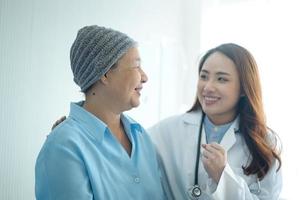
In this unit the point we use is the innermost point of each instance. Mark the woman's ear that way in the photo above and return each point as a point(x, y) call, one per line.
point(104, 79)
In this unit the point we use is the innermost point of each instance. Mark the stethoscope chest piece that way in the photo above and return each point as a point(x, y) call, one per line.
point(195, 192)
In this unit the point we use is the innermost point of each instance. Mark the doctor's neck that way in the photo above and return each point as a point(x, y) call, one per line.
point(220, 119)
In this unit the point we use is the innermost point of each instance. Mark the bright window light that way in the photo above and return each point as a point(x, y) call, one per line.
point(270, 31)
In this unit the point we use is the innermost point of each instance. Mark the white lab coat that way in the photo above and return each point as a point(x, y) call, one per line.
point(176, 141)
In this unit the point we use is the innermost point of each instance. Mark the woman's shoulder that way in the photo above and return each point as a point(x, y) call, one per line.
point(66, 132)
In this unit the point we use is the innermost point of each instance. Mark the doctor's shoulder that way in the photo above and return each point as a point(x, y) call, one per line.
point(273, 140)
point(166, 125)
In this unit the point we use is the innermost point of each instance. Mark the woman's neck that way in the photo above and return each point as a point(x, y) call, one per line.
point(218, 120)
point(102, 112)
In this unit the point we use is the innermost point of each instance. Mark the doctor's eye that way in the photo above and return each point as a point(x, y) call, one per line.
point(222, 79)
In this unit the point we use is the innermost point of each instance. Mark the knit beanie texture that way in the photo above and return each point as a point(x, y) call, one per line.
point(94, 51)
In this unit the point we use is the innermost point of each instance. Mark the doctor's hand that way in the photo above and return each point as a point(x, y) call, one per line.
point(214, 160)
point(58, 122)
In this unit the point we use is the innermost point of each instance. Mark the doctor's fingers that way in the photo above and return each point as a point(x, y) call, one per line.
point(207, 155)
point(217, 146)
point(212, 149)
point(58, 122)
point(213, 156)
point(211, 162)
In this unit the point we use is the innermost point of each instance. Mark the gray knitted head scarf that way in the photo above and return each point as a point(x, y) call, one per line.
point(94, 51)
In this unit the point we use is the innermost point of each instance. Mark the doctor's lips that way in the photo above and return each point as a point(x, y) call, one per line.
point(210, 99)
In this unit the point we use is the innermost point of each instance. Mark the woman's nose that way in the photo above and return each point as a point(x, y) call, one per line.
point(144, 77)
point(209, 86)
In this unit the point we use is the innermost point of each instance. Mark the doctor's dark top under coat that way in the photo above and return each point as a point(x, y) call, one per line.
point(81, 159)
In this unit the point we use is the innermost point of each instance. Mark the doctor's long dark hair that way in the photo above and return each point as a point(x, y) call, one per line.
point(252, 124)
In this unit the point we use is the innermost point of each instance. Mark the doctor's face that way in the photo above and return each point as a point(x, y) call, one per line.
point(219, 88)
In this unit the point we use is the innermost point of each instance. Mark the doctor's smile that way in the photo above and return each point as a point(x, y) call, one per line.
point(210, 100)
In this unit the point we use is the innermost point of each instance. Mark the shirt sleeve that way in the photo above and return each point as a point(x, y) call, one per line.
point(233, 186)
point(61, 174)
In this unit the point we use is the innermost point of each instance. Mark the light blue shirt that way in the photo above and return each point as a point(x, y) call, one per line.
point(213, 132)
point(81, 159)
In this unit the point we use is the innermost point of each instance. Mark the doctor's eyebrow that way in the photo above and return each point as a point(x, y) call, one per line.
point(217, 73)
point(222, 73)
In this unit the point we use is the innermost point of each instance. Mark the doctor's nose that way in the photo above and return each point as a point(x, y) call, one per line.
point(209, 86)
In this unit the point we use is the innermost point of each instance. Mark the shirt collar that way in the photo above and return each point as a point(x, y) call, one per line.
point(194, 118)
point(128, 122)
point(229, 138)
point(94, 125)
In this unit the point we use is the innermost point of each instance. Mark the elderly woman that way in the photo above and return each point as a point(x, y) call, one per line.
point(98, 152)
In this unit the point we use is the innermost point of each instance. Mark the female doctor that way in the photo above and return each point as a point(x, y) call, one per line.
point(221, 148)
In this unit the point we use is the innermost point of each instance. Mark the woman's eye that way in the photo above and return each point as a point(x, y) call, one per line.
point(222, 79)
point(203, 76)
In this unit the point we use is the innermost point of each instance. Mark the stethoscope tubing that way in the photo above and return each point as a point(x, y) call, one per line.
point(197, 162)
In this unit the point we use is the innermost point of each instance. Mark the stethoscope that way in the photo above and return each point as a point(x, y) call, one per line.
point(195, 191)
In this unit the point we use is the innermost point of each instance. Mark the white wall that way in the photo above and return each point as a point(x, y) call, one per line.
point(36, 81)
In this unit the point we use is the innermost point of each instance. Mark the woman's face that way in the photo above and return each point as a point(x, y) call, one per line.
point(219, 88)
point(126, 80)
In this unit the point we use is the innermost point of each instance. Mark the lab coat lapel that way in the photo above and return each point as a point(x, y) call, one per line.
point(194, 119)
point(229, 138)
